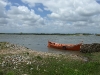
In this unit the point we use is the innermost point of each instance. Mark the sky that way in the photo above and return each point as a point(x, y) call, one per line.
point(50, 16)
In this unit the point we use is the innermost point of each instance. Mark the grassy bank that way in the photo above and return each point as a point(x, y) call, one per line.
point(50, 66)
point(24, 62)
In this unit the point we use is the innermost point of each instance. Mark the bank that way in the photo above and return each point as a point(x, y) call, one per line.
point(15, 59)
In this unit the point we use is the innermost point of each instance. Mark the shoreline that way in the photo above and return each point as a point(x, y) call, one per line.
point(19, 60)
point(18, 49)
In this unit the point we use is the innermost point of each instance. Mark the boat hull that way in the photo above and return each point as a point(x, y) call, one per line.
point(73, 47)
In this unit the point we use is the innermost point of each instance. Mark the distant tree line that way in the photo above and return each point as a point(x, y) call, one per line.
point(50, 34)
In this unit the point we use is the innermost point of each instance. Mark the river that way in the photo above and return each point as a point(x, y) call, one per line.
point(39, 42)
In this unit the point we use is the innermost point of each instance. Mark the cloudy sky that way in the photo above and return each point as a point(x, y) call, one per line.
point(50, 16)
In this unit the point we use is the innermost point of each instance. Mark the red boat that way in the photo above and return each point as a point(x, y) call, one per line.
point(74, 47)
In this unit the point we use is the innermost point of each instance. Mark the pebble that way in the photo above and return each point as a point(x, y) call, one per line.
point(17, 58)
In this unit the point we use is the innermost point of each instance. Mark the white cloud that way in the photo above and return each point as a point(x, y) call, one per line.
point(39, 9)
point(54, 15)
point(22, 16)
point(18, 18)
point(66, 16)
point(2, 9)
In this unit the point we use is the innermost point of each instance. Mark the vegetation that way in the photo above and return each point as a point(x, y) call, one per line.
point(47, 33)
point(29, 63)
point(3, 45)
point(52, 66)
point(97, 34)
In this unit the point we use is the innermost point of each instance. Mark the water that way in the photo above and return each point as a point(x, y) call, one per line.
point(39, 42)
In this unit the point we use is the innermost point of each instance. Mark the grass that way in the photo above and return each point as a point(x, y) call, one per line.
point(3, 45)
point(52, 66)
point(30, 64)
point(95, 57)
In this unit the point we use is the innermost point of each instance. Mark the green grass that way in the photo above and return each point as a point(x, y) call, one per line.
point(95, 57)
point(54, 66)
point(50, 65)
point(3, 45)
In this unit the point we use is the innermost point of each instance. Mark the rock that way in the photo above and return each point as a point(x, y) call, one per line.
point(88, 48)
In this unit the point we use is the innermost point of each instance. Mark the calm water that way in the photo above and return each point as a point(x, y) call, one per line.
point(39, 42)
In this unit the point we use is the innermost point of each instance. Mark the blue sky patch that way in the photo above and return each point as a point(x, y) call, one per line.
point(16, 3)
point(42, 13)
point(98, 1)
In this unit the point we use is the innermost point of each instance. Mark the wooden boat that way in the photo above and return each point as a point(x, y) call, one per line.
point(74, 47)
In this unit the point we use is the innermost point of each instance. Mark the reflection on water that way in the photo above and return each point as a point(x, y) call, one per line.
point(39, 42)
